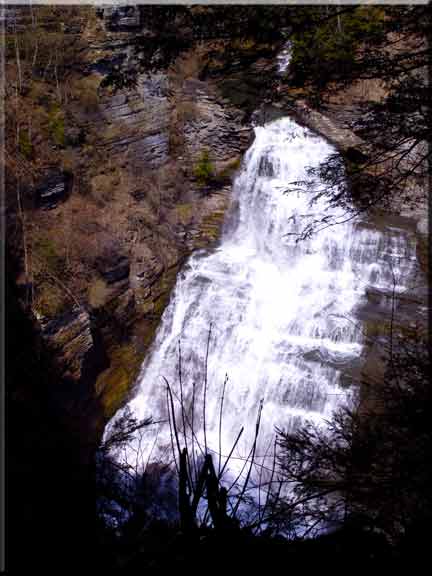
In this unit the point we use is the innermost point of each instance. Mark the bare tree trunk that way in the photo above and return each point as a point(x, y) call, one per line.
point(46, 67)
point(339, 24)
point(32, 14)
point(18, 191)
point(56, 77)
point(35, 55)
point(24, 238)
point(18, 62)
point(65, 93)
point(339, 21)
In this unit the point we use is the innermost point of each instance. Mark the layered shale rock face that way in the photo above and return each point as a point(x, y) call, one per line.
point(142, 119)
point(71, 341)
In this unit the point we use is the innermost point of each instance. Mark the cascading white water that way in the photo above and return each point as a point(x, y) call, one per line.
point(282, 313)
point(284, 57)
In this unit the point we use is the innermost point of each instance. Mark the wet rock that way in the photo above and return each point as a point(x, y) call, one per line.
point(148, 272)
point(422, 225)
point(12, 19)
point(345, 140)
point(266, 167)
point(355, 155)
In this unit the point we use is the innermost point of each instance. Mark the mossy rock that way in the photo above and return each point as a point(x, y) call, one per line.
point(114, 383)
point(184, 212)
point(210, 229)
point(49, 255)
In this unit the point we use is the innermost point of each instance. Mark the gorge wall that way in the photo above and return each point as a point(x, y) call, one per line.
point(118, 185)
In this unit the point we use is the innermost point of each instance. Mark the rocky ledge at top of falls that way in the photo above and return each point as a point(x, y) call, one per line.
point(338, 126)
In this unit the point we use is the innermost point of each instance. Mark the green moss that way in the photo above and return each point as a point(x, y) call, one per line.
point(25, 146)
point(162, 289)
point(204, 169)
point(184, 212)
point(374, 329)
point(49, 264)
point(244, 44)
point(113, 385)
point(210, 229)
point(87, 92)
point(56, 125)
point(113, 131)
point(377, 329)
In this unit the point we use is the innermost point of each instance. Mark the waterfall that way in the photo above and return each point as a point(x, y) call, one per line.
point(284, 57)
point(283, 314)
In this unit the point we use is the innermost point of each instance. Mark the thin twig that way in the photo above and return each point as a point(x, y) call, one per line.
point(205, 389)
point(171, 430)
point(220, 423)
point(253, 454)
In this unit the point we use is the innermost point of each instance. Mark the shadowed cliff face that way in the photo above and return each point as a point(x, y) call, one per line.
point(49, 470)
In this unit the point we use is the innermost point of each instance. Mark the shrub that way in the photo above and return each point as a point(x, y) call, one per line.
point(56, 125)
point(25, 146)
point(204, 169)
